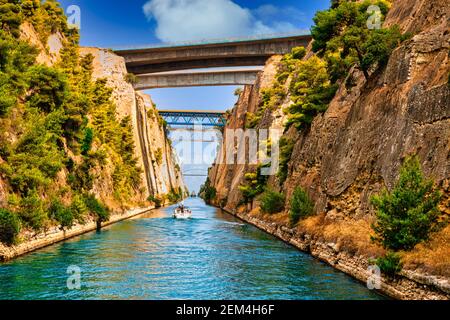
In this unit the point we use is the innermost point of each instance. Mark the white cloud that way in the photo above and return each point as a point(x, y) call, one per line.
point(184, 20)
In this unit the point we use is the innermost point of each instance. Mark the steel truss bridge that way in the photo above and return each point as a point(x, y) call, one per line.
point(194, 117)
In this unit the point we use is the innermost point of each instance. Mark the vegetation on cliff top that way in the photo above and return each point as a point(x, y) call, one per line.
point(58, 128)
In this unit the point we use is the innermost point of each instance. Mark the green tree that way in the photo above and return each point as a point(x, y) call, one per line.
point(15, 58)
point(30, 8)
point(78, 208)
point(156, 200)
point(97, 208)
point(32, 211)
point(286, 149)
point(390, 264)
point(9, 226)
point(407, 214)
point(341, 36)
point(87, 141)
point(272, 201)
point(254, 185)
point(208, 192)
point(10, 16)
point(62, 214)
point(301, 206)
point(48, 88)
point(311, 91)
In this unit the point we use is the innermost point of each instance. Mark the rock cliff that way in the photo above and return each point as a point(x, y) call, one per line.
point(356, 147)
point(160, 174)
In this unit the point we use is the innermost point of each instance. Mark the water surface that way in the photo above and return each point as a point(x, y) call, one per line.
point(213, 256)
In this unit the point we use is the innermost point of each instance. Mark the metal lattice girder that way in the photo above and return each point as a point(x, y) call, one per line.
point(192, 117)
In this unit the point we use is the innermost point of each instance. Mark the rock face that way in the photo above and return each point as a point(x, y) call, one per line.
point(357, 146)
point(48, 53)
point(159, 176)
point(227, 178)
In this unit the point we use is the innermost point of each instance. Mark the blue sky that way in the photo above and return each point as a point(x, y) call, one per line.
point(116, 24)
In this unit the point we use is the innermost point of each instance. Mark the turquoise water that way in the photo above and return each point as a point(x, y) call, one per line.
point(213, 256)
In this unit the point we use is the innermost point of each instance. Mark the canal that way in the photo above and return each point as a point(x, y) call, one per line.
point(212, 256)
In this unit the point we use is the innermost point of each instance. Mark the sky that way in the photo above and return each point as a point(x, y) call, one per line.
point(120, 24)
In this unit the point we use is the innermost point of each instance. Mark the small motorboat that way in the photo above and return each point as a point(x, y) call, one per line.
point(181, 212)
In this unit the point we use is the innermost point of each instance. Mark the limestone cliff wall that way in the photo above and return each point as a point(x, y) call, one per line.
point(158, 177)
point(357, 146)
point(227, 178)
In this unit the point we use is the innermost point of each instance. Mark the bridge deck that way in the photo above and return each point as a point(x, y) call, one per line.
point(192, 117)
point(196, 79)
point(243, 52)
point(210, 42)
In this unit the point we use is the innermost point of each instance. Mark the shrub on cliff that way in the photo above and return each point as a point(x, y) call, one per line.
point(390, 264)
point(79, 208)
point(175, 195)
point(156, 200)
point(301, 206)
point(208, 192)
point(272, 201)
point(87, 141)
point(97, 208)
point(62, 214)
point(131, 78)
point(407, 214)
point(286, 149)
point(10, 16)
point(48, 88)
point(32, 211)
point(311, 91)
point(254, 185)
point(9, 227)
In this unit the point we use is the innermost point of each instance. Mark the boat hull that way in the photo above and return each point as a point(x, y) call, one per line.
point(182, 215)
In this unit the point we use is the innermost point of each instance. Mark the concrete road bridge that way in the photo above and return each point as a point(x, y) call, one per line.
point(197, 79)
point(219, 53)
point(149, 63)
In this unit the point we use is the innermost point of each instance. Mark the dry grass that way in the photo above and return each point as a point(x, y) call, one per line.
point(352, 236)
point(432, 256)
point(281, 218)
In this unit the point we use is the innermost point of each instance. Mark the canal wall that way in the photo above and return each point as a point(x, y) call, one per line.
point(407, 285)
point(55, 234)
point(354, 150)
